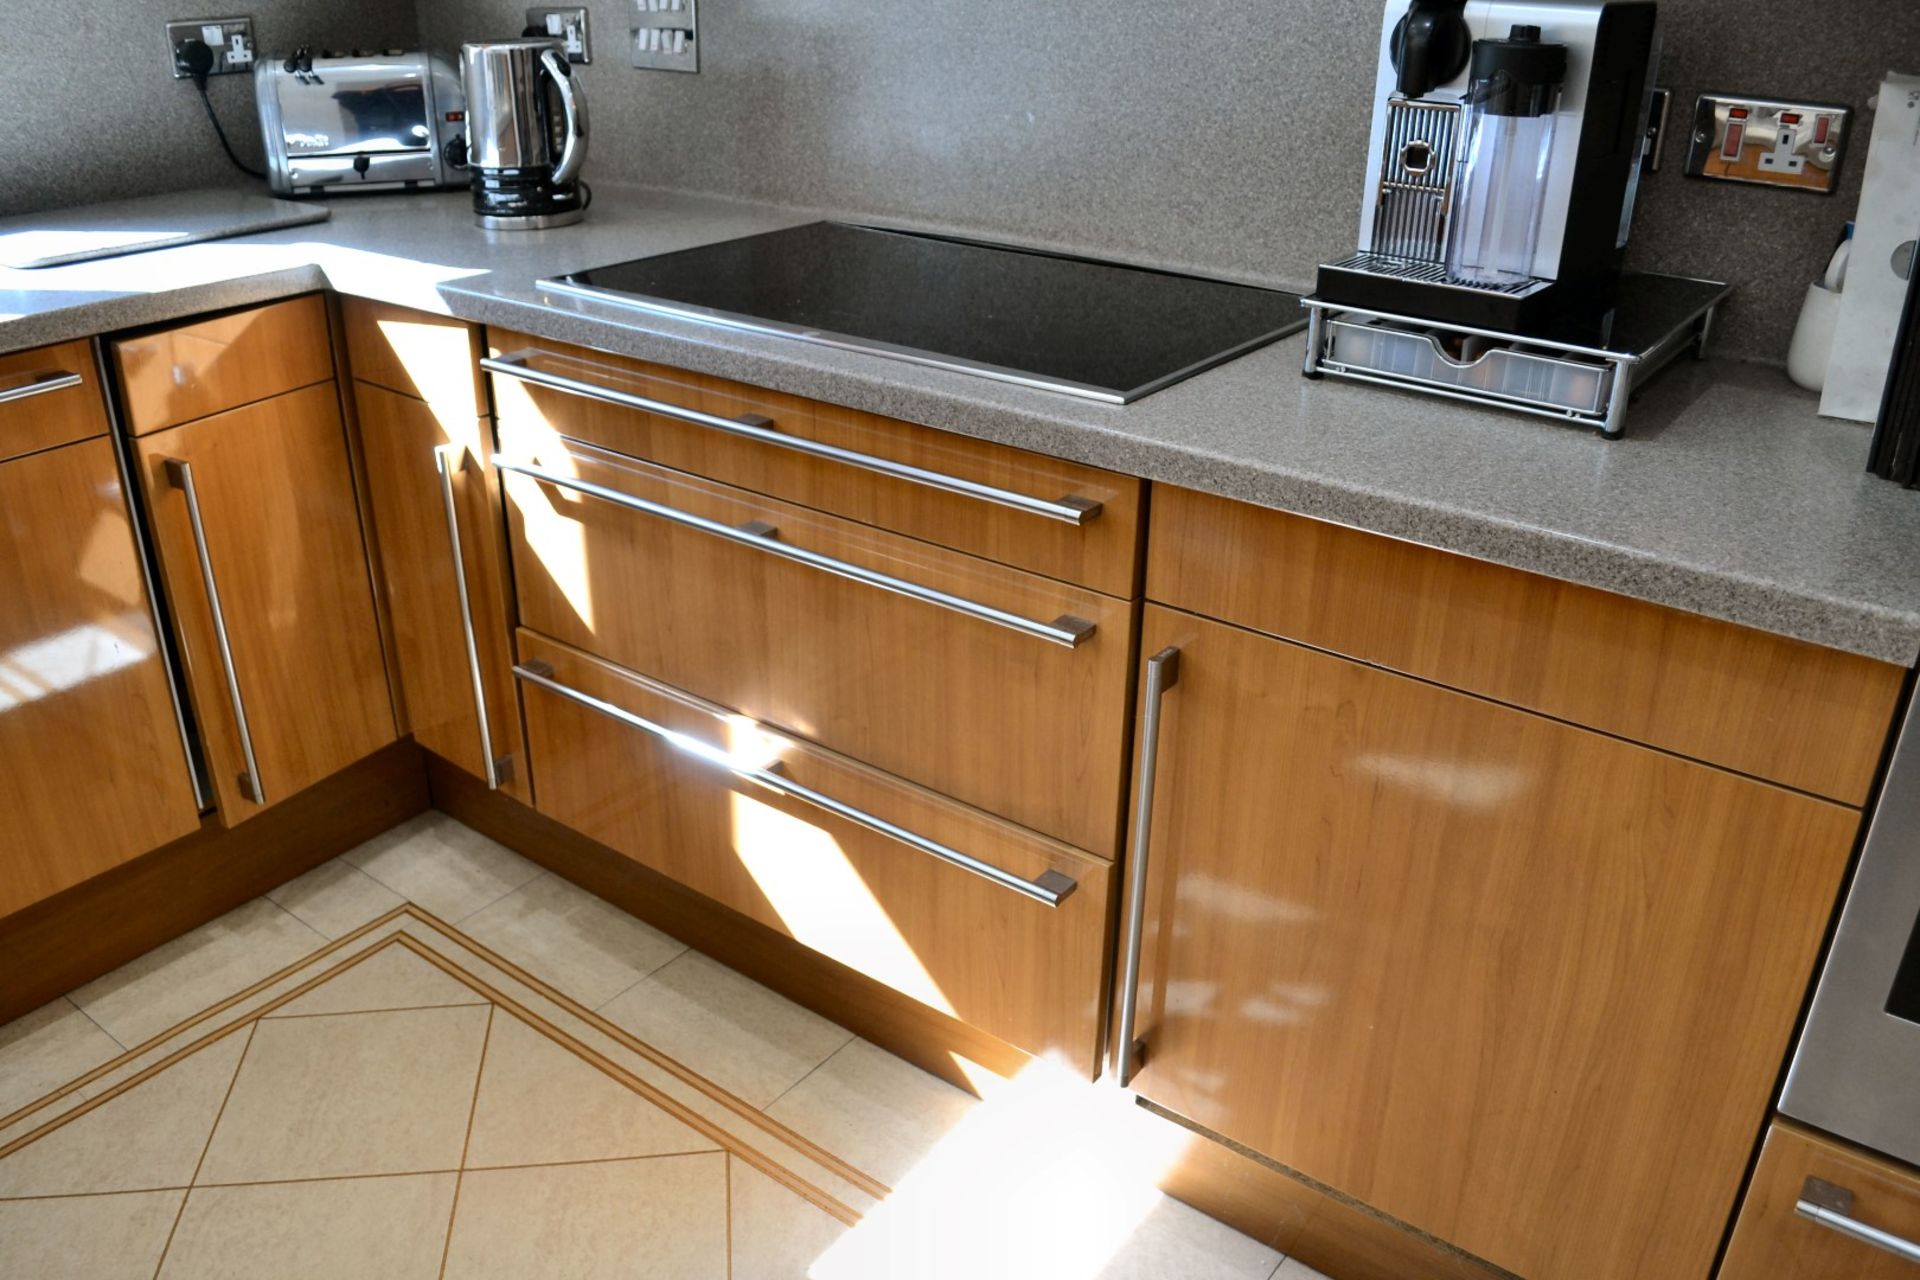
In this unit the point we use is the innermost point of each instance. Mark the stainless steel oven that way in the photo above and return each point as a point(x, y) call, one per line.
point(1856, 1072)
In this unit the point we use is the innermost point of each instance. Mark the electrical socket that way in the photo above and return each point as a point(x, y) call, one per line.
point(569, 26)
point(230, 39)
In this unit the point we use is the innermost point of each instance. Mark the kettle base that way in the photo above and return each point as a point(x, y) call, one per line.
point(529, 221)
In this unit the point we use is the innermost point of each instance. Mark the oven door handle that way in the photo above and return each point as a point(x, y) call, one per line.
point(1831, 1206)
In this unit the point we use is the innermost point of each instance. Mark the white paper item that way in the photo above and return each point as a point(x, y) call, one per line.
point(1889, 218)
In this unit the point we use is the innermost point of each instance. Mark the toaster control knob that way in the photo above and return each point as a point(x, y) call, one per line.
point(456, 153)
point(361, 163)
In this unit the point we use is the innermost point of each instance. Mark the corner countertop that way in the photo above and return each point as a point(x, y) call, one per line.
point(1729, 496)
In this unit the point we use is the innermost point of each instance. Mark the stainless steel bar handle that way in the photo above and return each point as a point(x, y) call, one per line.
point(181, 473)
point(1831, 1206)
point(1065, 630)
point(1050, 889)
point(58, 380)
point(1068, 510)
point(1163, 672)
point(447, 459)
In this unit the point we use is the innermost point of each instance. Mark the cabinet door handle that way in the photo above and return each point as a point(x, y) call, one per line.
point(1163, 672)
point(1049, 889)
point(180, 471)
point(1832, 1207)
point(447, 459)
point(1068, 510)
point(1065, 630)
point(58, 380)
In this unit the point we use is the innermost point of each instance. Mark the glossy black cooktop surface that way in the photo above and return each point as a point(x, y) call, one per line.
point(1094, 329)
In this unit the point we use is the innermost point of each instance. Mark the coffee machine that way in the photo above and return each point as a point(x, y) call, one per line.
point(1502, 167)
point(1504, 157)
point(526, 134)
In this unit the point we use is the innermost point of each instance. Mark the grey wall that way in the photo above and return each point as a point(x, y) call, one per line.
point(1226, 137)
point(114, 123)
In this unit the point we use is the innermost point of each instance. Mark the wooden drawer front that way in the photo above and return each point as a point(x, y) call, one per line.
point(177, 375)
point(406, 444)
point(95, 771)
point(988, 954)
point(429, 357)
point(282, 546)
point(1012, 722)
point(1771, 1241)
point(1100, 552)
point(1793, 713)
point(49, 396)
point(1520, 985)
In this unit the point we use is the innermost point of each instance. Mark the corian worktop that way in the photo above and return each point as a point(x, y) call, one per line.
point(1728, 497)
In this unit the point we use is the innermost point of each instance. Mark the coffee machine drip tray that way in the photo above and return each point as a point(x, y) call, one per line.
point(1099, 330)
point(1577, 368)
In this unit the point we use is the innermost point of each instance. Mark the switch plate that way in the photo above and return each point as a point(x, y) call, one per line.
point(231, 40)
point(569, 26)
point(1771, 141)
point(665, 35)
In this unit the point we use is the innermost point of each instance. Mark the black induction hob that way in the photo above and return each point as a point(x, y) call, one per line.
point(1093, 329)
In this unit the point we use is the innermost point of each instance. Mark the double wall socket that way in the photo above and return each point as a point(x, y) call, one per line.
point(229, 39)
point(1771, 141)
point(665, 35)
point(567, 25)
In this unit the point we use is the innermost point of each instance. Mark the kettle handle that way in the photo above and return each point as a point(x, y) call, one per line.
point(573, 103)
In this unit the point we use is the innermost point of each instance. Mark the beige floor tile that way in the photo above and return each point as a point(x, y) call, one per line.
point(150, 1136)
point(588, 948)
point(445, 867)
point(878, 1112)
point(390, 1228)
point(391, 978)
point(776, 1234)
point(116, 1237)
point(738, 1034)
point(42, 1050)
point(335, 898)
point(180, 978)
point(1177, 1242)
point(540, 1103)
point(350, 1094)
point(1294, 1269)
point(662, 1218)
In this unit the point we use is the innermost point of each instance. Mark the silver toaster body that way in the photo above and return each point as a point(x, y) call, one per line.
point(361, 122)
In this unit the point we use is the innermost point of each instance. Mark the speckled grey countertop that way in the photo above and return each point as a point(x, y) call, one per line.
point(1729, 496)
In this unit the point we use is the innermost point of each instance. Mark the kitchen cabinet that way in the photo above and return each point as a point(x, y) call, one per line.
point(176, 374)
point(96, 769)
point(1002, 689)
point(1772, 1241)
point(1522, 985)
point(852, 862)
point(259, 540)
point(437, 527)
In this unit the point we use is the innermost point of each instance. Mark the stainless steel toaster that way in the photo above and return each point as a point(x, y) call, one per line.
point(361, 121)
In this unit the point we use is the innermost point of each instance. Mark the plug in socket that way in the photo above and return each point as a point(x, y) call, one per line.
point(229, 39)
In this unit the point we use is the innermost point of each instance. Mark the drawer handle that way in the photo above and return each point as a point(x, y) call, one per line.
point(447, 459)
point(180, 471)
point(1050, 889)
point(1065, 630)
point(59, 380)
point(1163, 672)
point(1832, 1207)
point(1068, 510)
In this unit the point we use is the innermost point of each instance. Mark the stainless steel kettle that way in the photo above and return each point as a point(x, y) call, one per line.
point(526, 134)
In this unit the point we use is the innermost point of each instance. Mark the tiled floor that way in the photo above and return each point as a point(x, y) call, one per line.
point(430, 1058)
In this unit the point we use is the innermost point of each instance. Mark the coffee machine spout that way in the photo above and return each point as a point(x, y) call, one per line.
point(1430, 45)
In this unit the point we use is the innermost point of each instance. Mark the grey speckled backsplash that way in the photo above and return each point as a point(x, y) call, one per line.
point(1225, 137)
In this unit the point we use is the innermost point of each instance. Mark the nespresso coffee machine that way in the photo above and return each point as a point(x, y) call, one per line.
point(1501, 173)
point(1504, 157)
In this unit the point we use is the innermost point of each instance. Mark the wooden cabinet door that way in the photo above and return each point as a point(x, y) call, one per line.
point(430, 481)
point(95, 768)
point(278, 544)
point(1521, 985)
point(1772, 1241)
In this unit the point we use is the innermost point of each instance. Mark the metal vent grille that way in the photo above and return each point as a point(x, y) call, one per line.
point(1421, 272)
point(1415, 194)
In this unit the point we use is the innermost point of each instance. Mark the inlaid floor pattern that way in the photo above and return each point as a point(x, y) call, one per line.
point(404, 1101)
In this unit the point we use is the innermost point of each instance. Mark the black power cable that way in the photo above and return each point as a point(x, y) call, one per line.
point(198, 61)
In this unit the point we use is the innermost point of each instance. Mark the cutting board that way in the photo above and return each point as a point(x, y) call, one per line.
point(150, 222)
